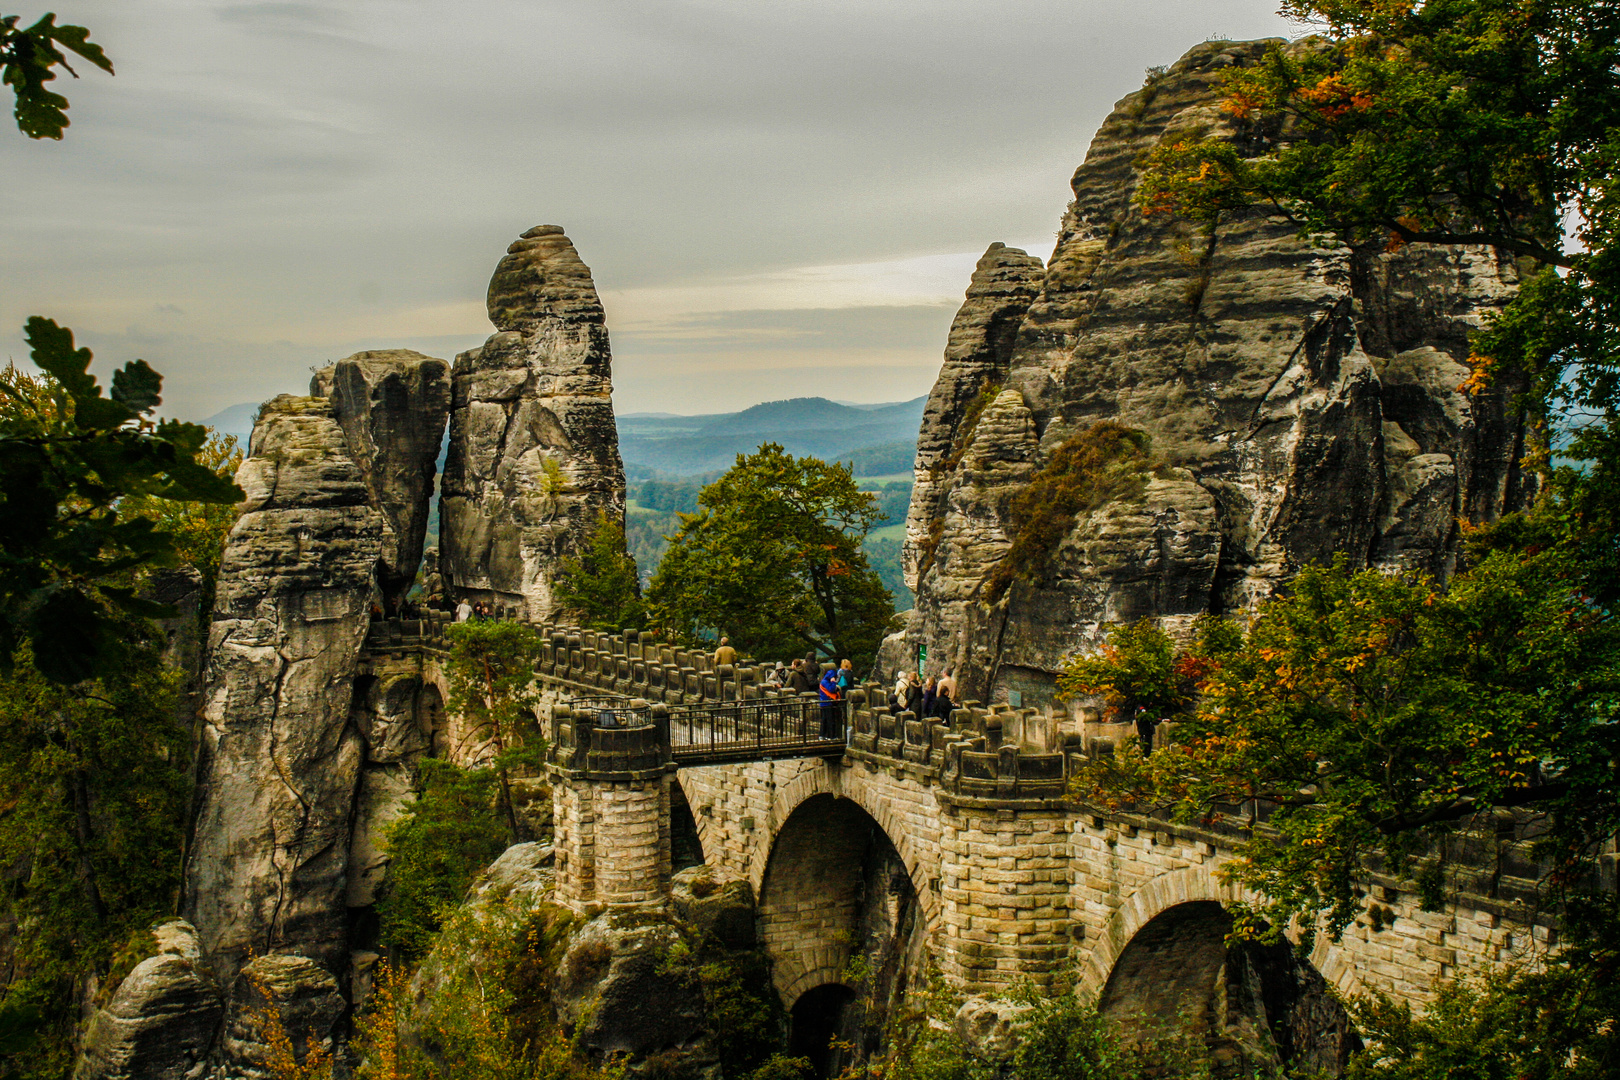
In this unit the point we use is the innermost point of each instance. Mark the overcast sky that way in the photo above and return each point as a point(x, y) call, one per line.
point(777, 198)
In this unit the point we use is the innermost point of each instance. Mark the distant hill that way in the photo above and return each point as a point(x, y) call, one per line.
point(236, 420)
point(875, 437)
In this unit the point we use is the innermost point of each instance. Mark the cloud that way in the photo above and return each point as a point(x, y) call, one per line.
point(282, 181)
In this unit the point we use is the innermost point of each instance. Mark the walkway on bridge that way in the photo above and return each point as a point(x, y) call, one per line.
point(716, 732)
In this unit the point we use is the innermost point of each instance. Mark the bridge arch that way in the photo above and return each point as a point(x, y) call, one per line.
point(1163, 966)
point(834, 886)
point(1190, 885)
point(827, 779)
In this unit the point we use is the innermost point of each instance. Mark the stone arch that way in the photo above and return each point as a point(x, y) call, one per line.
point(831, 780)
point(687, 846)
point(834, 886)
point(1188, 885)
point(1163, 966)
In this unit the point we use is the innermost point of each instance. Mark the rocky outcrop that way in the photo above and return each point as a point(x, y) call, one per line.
point(982, 337)
point(392, 405)
point(303, 758)
point(1302, 401)
point(160, 1021)
point(534, 460)
point(279, 759)
point(287, 1000)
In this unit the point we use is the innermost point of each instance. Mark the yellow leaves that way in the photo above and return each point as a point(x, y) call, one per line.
point(1482, 369)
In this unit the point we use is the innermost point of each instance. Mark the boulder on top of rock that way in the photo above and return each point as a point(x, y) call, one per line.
point(714, 906)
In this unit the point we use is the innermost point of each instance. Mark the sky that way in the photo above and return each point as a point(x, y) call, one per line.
point(777, 198)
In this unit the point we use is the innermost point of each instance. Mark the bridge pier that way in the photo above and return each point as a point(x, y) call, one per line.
point(610, 802)
point(1005, 873)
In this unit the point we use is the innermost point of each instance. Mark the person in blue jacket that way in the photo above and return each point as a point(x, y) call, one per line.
point(831, 705)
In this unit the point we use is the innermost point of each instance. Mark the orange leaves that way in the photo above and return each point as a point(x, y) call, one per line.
point(1481, 371)
point(1333, 99)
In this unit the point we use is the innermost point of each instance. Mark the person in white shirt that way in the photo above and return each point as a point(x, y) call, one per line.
point(463, 610)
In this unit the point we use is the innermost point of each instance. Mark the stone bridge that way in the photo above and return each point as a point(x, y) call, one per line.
point(1011, 880)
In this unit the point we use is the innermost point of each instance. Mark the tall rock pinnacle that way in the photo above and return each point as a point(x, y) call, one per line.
point(534, 452)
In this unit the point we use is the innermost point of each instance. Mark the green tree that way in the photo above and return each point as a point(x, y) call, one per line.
point(1140, 665)
point(94, 788)
point(436, 847)
point(601, 587)
point(493, 688)
point(773, 559)
point(69, 460)
point(27, 57)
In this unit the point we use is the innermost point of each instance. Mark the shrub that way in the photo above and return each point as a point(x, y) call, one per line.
point(1106, 461)
point(437, 847)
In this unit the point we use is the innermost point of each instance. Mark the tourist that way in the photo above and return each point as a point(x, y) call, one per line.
point(725, 654)
point(846, 678)
point(897, 699)
point(777, 678)
point(913, 697)
point(463, 610)
point(1144, 730)
point(942, 698)
point(947, 686)
point(799, 679)
point(812, 666)
point(929, 690)
point(831, 704)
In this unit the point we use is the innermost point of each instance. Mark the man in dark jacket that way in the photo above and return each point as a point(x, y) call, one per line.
point(1144, 730)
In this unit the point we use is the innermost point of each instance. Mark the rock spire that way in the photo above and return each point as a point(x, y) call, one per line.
point(533, 463)
point(1302, 401)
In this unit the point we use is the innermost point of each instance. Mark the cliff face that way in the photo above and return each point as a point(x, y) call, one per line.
point(294, 738)
point(534, 452)
point(1302, 401)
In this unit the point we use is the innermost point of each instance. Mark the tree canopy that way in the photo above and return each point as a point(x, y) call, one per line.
point(773, 560)
point(600, 586)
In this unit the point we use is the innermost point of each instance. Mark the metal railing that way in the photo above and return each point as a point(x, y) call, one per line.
point(756, 730)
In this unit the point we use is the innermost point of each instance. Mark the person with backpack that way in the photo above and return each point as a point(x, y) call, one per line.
point(831, 705)
point(846, 679)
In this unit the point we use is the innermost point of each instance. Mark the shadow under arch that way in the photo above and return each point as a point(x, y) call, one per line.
point(1178, 979)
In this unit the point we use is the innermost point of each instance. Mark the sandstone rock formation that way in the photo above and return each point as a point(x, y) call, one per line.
point(534, 453)
point(982, 337)
point(279, 759)
point(392, 405)
point(290, 993)
point(1302, 401)
point(161, 1019)
point(301, 760)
